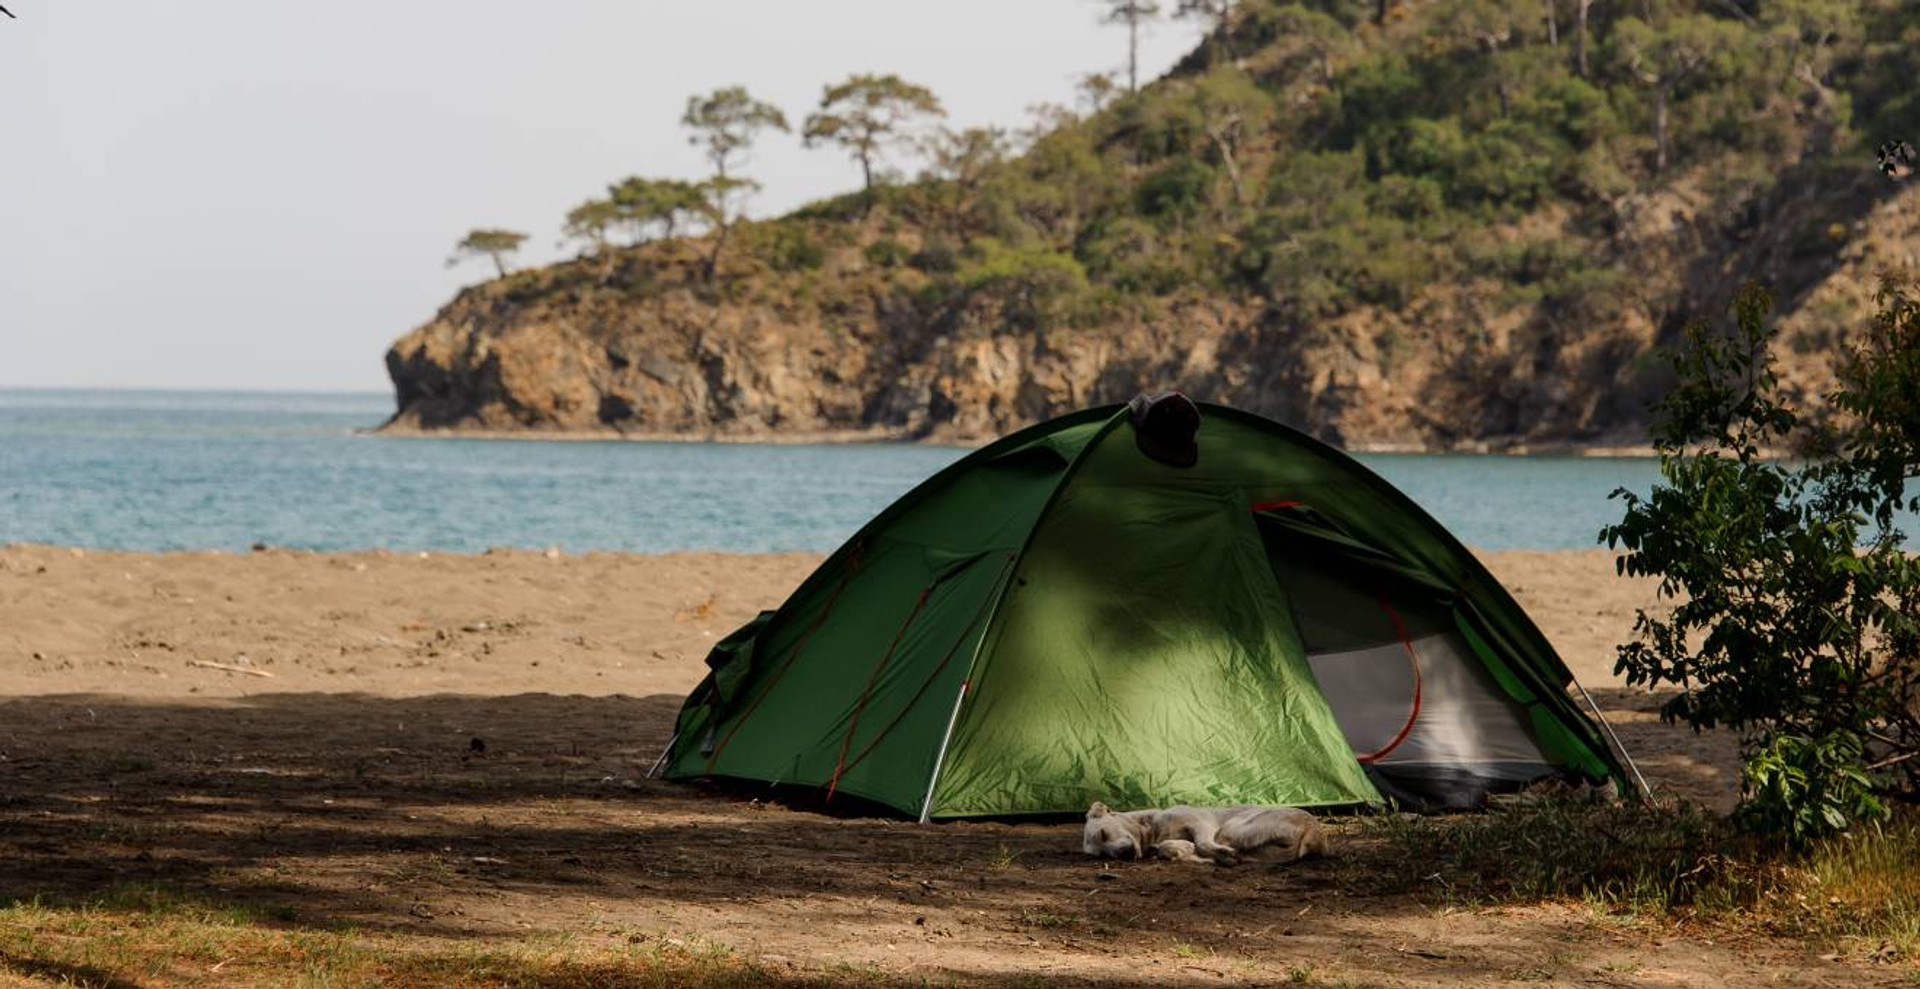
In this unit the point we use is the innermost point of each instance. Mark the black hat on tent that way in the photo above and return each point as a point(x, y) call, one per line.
point(1164, 426)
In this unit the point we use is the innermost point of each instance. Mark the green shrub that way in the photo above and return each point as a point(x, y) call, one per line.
point(938, 255)
point(1036, 287)
point(1506, 164)
point(887, 253)
point(1408, 197)
point(1176, 190)
point(1131, 255)
point(1376, 261)
point(1797, 607)
point(791, 247)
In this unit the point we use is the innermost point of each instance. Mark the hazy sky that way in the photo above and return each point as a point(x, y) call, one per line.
point(262, 193)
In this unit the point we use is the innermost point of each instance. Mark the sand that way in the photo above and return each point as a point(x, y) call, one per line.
point(452, 745)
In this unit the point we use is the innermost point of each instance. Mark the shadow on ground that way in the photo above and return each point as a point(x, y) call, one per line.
point(465, 817)
point(1676, 760)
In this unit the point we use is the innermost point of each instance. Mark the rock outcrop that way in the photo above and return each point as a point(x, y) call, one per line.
point(636, 343)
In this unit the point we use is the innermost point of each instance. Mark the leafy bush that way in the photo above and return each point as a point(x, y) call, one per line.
point(1572, 108)
point(888, 253)
point(938, 255)
point(1325, 272)
point(1176, 190)
point(1133, 256)
point(1797, 615)
point(790, 246)
point(1036, 287)
point(1332, 239)
point(1506, 164)
point(1408, 197)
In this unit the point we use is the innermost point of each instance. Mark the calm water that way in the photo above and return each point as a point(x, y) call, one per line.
point(177, 470)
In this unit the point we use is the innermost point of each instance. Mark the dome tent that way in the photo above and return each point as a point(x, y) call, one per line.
point(1070, 615)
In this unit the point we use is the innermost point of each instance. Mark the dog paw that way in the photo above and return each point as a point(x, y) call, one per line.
point(1176, 850)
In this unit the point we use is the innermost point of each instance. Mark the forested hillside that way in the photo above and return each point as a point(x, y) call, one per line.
point(1444, 224)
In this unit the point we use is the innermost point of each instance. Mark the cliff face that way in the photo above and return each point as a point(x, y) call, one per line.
point(637, 343)
point(678, 366)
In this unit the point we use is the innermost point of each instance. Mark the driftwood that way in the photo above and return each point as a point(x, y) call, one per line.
point(209, 664)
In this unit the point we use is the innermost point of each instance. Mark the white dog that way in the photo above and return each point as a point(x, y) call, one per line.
point(1203, 834)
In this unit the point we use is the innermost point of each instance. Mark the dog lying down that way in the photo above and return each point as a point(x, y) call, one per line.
point(1221, 835)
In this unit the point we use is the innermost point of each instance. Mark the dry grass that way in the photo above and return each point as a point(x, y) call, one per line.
point(1871, 881)
point(1673, 861)
point(152, 936)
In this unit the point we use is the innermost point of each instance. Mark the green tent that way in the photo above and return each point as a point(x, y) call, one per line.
point(1061, 617)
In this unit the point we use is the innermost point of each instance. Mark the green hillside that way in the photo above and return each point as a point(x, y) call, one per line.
point(1447, 223)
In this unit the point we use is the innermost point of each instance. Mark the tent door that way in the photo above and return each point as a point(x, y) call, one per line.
point(1421, 713)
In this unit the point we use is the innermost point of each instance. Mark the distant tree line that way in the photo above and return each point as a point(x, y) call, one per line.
point(866, 116)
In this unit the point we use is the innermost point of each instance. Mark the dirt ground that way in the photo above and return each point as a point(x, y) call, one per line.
point(452, 747)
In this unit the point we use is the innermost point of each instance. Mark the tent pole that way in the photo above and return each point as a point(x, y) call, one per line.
point(654, 770)
point(1645, 790)
point(926, 802)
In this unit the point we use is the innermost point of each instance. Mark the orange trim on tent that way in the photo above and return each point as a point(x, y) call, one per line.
point(853, 563)
point(853, 724)
point(944, 660)
point(1413, 715)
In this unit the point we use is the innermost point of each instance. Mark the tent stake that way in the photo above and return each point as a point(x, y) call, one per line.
point(926, 803)
point(654, 769)
point(1645, 790)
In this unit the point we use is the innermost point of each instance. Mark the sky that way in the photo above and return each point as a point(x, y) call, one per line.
point(262, 194)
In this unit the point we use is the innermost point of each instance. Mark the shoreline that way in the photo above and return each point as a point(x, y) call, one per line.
point(547, 553)
point(1546, 450)
point(837, 437)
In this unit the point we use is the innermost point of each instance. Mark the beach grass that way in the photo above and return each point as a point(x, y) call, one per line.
point(158, 936)
point(1665, 862)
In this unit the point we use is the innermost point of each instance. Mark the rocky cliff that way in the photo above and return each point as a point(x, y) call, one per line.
point(1308, 266)
point(635, 343)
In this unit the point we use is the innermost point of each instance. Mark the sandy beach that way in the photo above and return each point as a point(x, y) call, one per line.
point(159, 627)
point(452, 746)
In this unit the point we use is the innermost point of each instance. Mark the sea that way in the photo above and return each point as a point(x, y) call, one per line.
point(169, 470)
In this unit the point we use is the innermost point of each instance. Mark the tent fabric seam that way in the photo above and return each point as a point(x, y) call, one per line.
point(846, 577)
point(928, 682)
point(974, 670)
point(866, 692)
